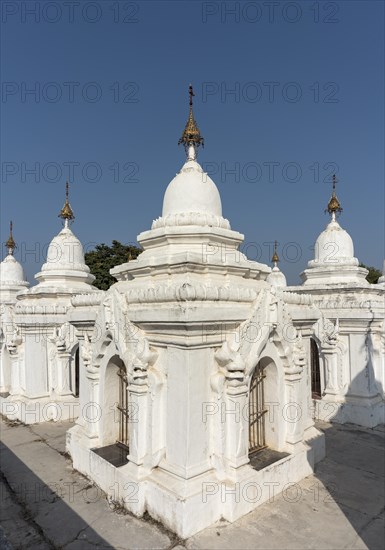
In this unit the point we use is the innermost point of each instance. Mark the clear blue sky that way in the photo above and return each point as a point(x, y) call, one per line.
point(111, 83)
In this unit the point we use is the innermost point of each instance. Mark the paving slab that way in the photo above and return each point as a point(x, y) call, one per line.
point(52, 434)
point(373, 534)
point(48, 505)
point(66, 507)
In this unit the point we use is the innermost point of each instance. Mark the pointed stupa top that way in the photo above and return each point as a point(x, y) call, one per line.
point(275, 258)
point(10, 244)
point(12, 277)
point(191, 135)
point(66, 213)
point(276, 277)
point(334, 205)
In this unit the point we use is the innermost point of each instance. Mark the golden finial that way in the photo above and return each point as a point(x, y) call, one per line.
point(191, 134)
point(275, 257)
point(10, 244)
point(66, 212)
point(334, 205)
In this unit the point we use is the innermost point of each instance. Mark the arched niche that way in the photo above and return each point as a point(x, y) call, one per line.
point(113, 397)
point(74, 371)
point(270, 364)
point(315, 370)
point(5, 370)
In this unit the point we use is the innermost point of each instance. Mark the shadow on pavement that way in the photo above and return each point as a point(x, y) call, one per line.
point(39, 515)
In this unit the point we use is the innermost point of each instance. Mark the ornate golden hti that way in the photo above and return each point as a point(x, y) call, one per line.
point(191, 134)
point(275, 258)
point(66, 212)
point(10, 244)
point(334, 205)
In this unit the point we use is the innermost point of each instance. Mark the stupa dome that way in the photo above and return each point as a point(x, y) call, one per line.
point(65, 267)
point(334, 246)
point(334, 260)
point(276, 278)
point(192, 190)
point(65, 252)
point(11, 271)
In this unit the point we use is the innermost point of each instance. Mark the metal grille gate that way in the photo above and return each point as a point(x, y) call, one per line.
point(257, 411)
point(123, 407)
point(315, 370)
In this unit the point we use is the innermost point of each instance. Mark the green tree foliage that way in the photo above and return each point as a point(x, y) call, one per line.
point(103, 258)
point(373, 275)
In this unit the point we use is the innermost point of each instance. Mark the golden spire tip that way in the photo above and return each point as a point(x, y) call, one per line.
point(275, 257)
point(10, 244)
point(66, 213)
point(334, 206)
point(191, 134)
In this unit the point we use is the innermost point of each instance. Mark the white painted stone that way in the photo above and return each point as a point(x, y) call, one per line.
point(39, 353)
point(186, 325)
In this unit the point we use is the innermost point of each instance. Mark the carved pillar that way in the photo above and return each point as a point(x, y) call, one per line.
point(294, 413)
point(234, 409)
point(328, 335)
point(330, 355)
point(211, 414)
point(139, 401)
point(156, 422)
point(15, 351)
point(90, 410)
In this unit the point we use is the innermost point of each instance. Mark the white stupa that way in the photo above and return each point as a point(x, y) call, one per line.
point(12, 279)
point(65, 268)
point(334, 260)
point(276, 277)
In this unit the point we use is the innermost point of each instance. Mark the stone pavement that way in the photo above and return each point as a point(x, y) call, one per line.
point(46, 505)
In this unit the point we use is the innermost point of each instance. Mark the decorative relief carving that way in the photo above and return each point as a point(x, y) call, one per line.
point(129, 341)
point(295, 298)
point(186, 292)
point(86, 355)
point(340, 302)
point(141, 360)
point(10, 332)
point(326, 332)
point(92, 299)
point(47, 309)
point(332, 349)
point(191, 218)
point(232, 363)
point(239, 353)
point(64, 338)
point(14, 341)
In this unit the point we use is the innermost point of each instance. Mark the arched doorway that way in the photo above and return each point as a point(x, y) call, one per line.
point(115, 404)
point(257, 410)
point(74, 371)
point(266, 427)
point(5, 371)
point(315, 370)
point(123, 405)
point(115, 418)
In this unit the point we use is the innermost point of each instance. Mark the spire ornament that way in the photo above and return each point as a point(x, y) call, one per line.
point(334, 206)
point(191, 137)
point(66, 212)
point(10, 244)
point(275, 258)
